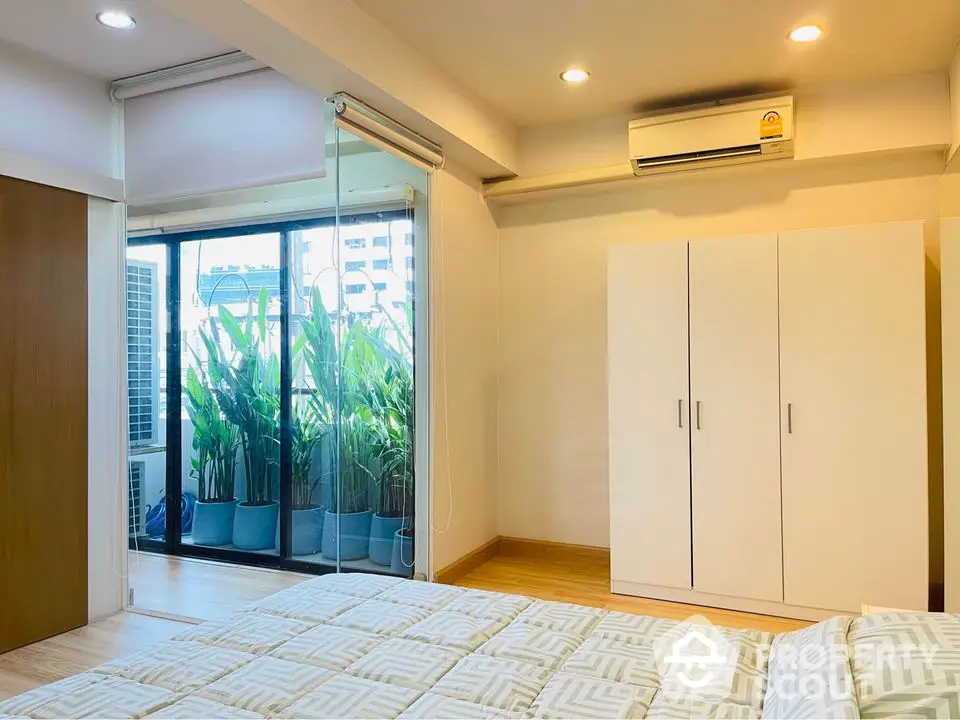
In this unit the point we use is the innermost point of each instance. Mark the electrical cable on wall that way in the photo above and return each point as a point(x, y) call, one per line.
point(442, 323)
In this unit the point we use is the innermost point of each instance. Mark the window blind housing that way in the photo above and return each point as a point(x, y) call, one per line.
point(376, 128)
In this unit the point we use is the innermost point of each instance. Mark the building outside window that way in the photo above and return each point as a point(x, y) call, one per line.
point(383, 264)
point(355, 243)
point(354, 289)
point(380, 286)
point(352, 265)
point(381, 241)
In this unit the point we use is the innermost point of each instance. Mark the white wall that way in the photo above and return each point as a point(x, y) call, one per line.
point(950, 229)
point(58, 126)
point(552, 481)
point(835, 121)
point(107, 412)
point(954, 104)
point(463, 297)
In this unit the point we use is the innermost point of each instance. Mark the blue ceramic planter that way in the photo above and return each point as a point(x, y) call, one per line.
point(213, 522)
point(255, 526)
point(401, 561)
point(307, 531)
point(382, 530)
point(351, 533)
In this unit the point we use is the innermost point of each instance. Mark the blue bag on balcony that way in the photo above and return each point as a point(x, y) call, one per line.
point(156, 520)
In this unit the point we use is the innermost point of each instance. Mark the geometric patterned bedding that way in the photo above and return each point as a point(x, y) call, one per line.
point(366, 646)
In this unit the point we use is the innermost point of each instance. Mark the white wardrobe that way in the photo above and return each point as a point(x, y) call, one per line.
point(767, 409)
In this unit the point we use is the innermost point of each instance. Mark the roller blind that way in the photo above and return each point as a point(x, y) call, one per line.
point(243, 131)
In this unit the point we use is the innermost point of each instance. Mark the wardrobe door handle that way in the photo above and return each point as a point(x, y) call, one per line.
point(790, 418)
point(680, 413)
point(698, 414)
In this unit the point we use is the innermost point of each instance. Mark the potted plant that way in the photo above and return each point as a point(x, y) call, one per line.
point(307, 432)
point(341, 379)
point(213, 463)
point(346, 526)
point(248, 392)
point(390, 406)
point(402, 559)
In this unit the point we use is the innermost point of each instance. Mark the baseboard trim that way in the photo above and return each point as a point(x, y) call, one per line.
point(165, 615)
point(692, 597)
point(519, 547)
point(549, 550)
point(472, 560)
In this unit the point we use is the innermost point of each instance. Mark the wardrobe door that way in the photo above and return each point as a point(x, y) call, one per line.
point(735, 391)
point(854, 423)
point(649, 414)
point(43, 412)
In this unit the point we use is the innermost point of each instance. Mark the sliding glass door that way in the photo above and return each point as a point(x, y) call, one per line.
point(230, 314)
point(353, 420)
point(284, 362)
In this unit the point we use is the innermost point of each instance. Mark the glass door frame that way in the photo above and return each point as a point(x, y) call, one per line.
point(172, 543)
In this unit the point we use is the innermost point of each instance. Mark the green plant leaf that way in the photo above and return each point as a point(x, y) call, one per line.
point(230, 324)
point(262, 314)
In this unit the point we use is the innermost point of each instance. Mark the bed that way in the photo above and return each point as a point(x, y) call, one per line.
point(365, 646)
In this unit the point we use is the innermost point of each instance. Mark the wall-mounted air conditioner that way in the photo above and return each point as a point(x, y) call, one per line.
point(724, 134)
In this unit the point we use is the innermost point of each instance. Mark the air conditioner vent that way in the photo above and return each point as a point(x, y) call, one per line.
point(699, 155)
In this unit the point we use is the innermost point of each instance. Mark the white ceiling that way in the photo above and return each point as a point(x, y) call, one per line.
point(508, 53)
point(67, 30)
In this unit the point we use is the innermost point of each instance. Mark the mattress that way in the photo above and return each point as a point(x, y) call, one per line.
point(365, 646)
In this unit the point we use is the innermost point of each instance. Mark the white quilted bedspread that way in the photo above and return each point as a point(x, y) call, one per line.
point(364, 646)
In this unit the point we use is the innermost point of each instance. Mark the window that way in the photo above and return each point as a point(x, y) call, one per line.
point(272, 290)
point(409, 262)
point(408, 239)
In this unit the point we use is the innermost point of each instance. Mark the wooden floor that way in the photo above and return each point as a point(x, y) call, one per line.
point(177, 592)
point(586, 581)
point(198, 589)
point(79, 650)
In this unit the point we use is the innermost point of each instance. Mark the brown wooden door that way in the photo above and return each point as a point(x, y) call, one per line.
point(43, 412)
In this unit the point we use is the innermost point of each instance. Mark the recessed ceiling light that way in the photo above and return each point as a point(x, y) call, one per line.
point(574, 76)
point(805, 33)
point(116, 19)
